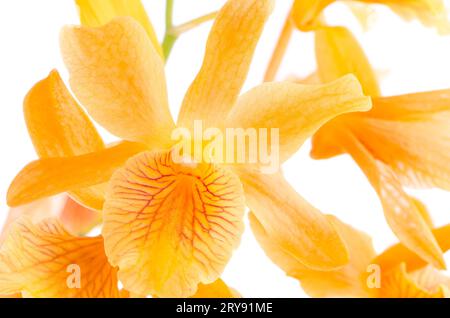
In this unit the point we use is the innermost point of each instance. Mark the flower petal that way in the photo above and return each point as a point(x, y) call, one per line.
point(228, 55)
point(306, 13)
point(95, 13)
point(400, 210)
point(118, 76)
point(218, 289)
point(398, 283)
point(39, 260)
point(78, 219)
point(50, 176)
point(169, 226)
point(58, 127)
point(338, 53)
point(296, 110)
point(346, 281)
point(291, 222)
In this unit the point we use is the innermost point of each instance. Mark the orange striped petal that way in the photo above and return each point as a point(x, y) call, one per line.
point(50, 176)
point(401, 212)
point(346, 281)
point(229, 52)
point(338, 53)
point(59, 127)
point(292, 223)
point(46, 261)
point(297, 110)
point(398, 283)
point(95, 13)
point(170, 225)
point(218, 289)
point(118, 76)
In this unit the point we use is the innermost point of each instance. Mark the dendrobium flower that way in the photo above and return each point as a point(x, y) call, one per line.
point(306, 13)
point(401, 142)
point(395, 273)
point(168, 225)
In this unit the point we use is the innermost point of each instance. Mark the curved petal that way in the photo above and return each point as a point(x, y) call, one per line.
point(78, 219)
point(338, 53)
point(302, 231)
point(50, 176)
point(58, 127)
point(296, 110)
point(397, 254)
point(118, 76)
point(429, 12)
point(95, 13)
point(401, 212)
point(228, 55)
point(398, 283)
point(346, 281)
point(170, 225)
point(44, 260)
point(218, 289)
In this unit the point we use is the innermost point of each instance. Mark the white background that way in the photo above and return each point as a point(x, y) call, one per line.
point(408, 57)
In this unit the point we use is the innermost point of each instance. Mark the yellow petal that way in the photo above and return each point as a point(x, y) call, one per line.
point(58, 127)
point(297, 110)
point(50, 176)
point(35, 211)
point(78, 219)
point(118, 76)
point(397, 254)
point(400, 210)
point(346, 281)
point(398, 283)
point(218, 289)
point(338, 53)
point(170, 225)
point(431, 13)
point(44, 261)
point(95, 13)
point(415, 148)
point(291, 222)
point(228, 55)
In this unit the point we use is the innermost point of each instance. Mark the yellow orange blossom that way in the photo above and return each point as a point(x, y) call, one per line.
point(168, 226)
point(400, 142)
point(395, 273)
point(306, 13)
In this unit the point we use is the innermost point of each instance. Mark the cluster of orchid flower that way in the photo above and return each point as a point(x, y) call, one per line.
point(168, 228)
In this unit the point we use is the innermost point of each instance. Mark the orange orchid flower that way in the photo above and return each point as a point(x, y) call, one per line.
point(398, 143)
point(395, 273)
point(169, 226)
point(306, 13)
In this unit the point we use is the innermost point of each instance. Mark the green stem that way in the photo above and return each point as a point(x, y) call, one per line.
point(169, 37)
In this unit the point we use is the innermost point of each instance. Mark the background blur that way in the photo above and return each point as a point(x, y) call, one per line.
point(408, 56)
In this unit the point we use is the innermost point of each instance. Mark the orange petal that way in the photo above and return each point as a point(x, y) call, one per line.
point(228, 55)
point(346, 281)
point(170, 225)
point(45, 261)
point(338, 53)
point(401, 212)
point(95, 13)
point(50, 176)
point(291, 222)
point(35, 211)
point(58, 127)
point(398, 283)
point(306, 13)
point(296, 110)
point(78, 219)
point(397, 254)
point(415, 147)
point(118, 76)
point(218, 289)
